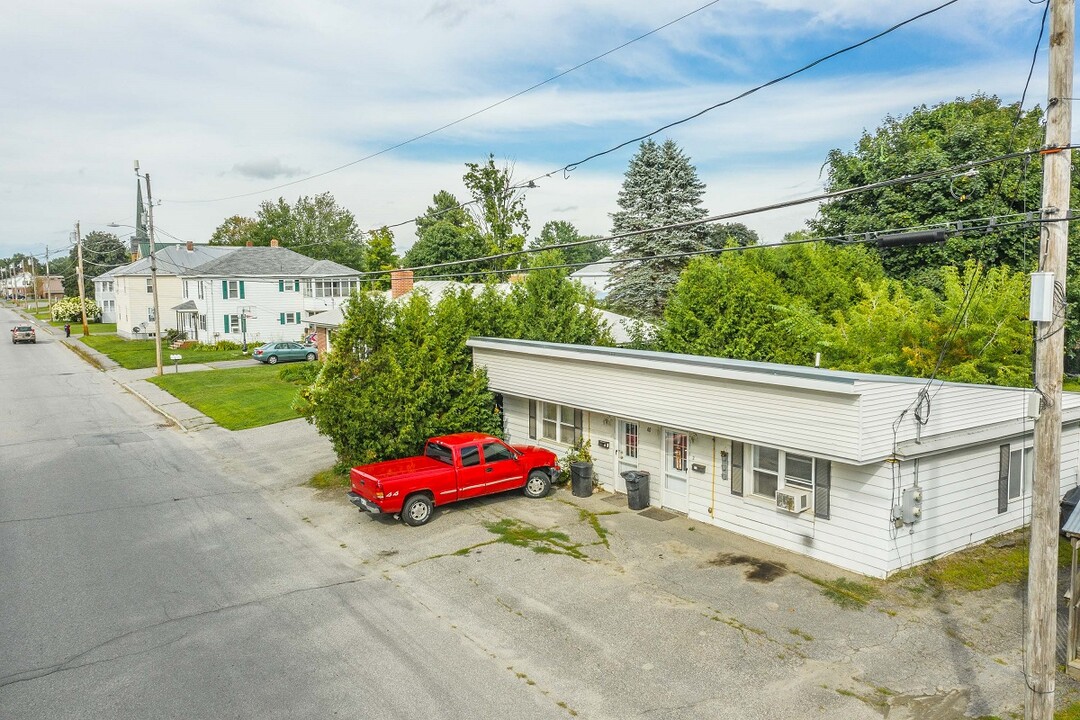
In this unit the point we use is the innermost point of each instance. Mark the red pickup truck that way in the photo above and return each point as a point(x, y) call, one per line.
point(452, 467)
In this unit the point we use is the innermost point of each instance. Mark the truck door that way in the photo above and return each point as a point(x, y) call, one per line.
point(501, 467)
point(472, 478)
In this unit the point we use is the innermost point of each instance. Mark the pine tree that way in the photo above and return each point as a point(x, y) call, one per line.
point(661, 188)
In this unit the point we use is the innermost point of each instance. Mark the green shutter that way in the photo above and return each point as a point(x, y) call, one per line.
point(241, 289)
point(296, 285)
point(281, 286)
point(1003, 479)
point(226, 324)
point(281, 319)
point(225, 289)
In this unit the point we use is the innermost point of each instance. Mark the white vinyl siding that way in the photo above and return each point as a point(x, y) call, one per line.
point(813, 422)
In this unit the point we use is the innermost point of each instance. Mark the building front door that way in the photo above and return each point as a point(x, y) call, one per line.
point(626, 451)
point(676, 470)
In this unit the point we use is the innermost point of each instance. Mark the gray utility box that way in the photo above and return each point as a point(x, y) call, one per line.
point(637, 489)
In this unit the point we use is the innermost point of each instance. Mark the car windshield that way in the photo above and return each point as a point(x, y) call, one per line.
point(23, 328)
point(435, 451)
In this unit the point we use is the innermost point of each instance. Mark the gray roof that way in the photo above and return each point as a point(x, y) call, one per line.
point(176, 260)
point(1072, 524)
point(186, 306)
point(272, 261)
point(597, 269)
point(677, 360)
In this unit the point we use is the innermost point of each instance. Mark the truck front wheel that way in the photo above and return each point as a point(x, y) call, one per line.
point(538, 484)
point(417, 510)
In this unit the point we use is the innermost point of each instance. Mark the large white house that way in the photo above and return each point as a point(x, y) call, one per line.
point(260, 294)
point(870, 473)
point(105, 296)
point(133, 290)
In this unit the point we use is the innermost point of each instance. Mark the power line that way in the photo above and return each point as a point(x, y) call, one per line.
point(573, 166)
point(464, 117)
point(904, 179)
point(861, 238)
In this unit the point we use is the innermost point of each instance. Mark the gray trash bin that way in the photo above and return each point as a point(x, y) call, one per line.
point(637, 489)
point(581, 483)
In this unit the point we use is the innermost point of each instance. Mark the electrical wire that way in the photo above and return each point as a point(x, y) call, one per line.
point(905, 179)
point(573, 166)
point(464, 117)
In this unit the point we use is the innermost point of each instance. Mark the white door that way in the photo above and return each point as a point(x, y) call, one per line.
point(676, 470)
point(626, 451)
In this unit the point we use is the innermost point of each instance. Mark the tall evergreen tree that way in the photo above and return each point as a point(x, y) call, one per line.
point(661, 188)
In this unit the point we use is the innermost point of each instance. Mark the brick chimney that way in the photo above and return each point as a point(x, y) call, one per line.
point(273, 242)
point(400, 282)
point(249, 243)
point(190, 246)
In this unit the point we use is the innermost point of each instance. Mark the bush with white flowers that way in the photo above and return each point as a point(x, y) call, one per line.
point(67, 310)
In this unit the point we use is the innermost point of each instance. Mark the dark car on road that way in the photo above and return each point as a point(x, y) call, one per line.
point(275, 352)
point(23, 333)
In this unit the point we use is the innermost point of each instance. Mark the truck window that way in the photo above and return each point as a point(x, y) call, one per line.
point(435, 451)
point(470, 455)
point(495, 451)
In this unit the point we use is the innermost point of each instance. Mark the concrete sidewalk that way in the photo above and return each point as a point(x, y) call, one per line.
point(137, 381)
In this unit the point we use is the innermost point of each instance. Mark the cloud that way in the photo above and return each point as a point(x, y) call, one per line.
point(266, 169)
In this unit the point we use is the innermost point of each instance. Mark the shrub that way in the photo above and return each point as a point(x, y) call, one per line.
point(578, 452)
point(300, 373)
point(68, 310)
point(171, 336)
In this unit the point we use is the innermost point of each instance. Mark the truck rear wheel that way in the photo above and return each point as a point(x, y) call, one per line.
point(417, 510)
point(538, 484)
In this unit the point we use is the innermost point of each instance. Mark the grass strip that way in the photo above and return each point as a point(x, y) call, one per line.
point(237, 398)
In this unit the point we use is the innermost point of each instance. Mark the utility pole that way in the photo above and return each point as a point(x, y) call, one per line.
point(82, 290)
point(1041, 640)
point(48, 280)
point(34, 283)
point(153, 271)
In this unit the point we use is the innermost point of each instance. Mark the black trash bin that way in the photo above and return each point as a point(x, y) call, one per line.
point(637, 489)
point(581, 479)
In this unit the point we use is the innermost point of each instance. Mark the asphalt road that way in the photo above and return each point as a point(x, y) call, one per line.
point(148, 573)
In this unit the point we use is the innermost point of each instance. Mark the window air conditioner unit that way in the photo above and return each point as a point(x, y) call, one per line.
point(793, 501)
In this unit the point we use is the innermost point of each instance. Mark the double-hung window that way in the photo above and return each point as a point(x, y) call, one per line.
point(559, 423)
point(149, 285)
point(771, 470)
point(232, 289)
point(1015, 473)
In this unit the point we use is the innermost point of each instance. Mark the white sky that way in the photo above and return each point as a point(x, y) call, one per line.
point(224, 98)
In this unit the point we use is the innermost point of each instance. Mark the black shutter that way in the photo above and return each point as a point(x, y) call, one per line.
point(736, 468)
point(822, 486)
point(532, 419)
point(1003, 479)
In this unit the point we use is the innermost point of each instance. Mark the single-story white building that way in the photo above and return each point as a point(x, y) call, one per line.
point(870, 473)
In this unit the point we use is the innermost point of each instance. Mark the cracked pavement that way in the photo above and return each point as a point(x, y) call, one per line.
point(149, 572)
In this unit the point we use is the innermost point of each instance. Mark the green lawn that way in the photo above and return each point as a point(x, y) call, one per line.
point(132, 354)
point(95, 328)
point(237, 398)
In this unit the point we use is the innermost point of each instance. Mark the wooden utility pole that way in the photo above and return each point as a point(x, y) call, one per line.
point(153, 275)
point(48, 281)
point(82, 290)
point(1041, 640)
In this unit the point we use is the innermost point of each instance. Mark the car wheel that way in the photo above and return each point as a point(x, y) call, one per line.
point(538, 484)
point(417, 510)
point(309, 357)
point(272, 360)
